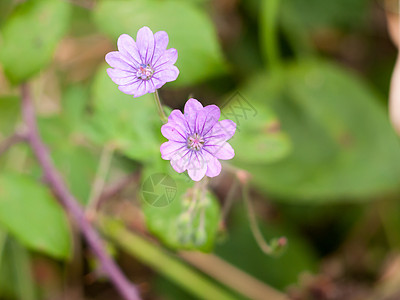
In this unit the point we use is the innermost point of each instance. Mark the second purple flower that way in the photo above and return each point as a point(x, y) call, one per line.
point(197, 140)
point(143, 66)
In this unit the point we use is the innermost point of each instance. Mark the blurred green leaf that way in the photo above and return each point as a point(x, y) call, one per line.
point(30, 213)
point(168, 222)
point(30, 36)
point(258, 137)
point(131, 124)
point(314, 14)
point(189, 28)
point(343, 144)
point(22, 272)
point(16, 277)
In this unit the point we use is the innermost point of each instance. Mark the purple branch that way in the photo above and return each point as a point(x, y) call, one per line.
point(54, 180)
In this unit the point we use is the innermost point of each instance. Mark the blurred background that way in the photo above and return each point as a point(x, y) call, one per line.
point(306, 81)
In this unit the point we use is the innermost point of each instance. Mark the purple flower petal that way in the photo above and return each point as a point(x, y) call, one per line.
point(167, 75)
point(213, 165)
point(161, 40)
point(197, 140)
point(177, 119)
point(169, 149)
point(137, 89)
point(150, 86)
point(207, 118)
point(145, 44)
point(130, 89)
point(173, 133)
point(127, 46)
point(150, 63)
point(222, 131)
point(222, 151)
point(169, 57)
point(121, 77)
point(180, 160)
point(192, 106)
point(197, 167)
point(115, 60)
point(157, 82)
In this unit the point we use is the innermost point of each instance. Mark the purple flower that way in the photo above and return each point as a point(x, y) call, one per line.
point(197, 140)
point(143, 66)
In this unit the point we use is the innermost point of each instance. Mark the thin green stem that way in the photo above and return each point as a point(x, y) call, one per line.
point(269, 32)
point(160, 110)
point(100, 179)
point(267, 248)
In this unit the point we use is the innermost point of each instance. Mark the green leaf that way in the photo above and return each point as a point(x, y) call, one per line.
point(343, 144)
point(258, 137)
point(168, 222)
point(131, 124)
point(16, 280)
point(30, 36)
point(190, 31)
point(314, 14)
point(30, 213)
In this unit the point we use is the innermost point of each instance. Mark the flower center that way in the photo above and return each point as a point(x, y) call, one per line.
point(195, 142)
point(144, 72)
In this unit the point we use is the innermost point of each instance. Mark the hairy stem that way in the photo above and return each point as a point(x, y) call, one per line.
point(100, 179)
point(54, 180)
point(262, 243)
point(160, 110)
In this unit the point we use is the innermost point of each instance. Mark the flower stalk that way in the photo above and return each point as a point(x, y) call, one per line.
point(275, 245)
point(160, 109)
point(99, 182)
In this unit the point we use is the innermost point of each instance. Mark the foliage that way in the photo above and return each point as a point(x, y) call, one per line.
point(317, 104)
point(31, 215)
point(312, 133)
point(25, 50)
